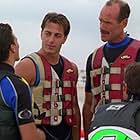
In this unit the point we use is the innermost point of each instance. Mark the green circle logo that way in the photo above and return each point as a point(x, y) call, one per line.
point(113, 133)
point(109, 134)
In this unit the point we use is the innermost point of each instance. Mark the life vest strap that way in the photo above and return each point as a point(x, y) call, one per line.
point(57, 83)
point(57, 98)
point(56, 112)
point(112, 101)
point(99, 89)
point(105, 70)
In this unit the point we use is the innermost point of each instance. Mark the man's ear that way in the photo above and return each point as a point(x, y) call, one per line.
point(125, 22)
point(12, 48)
point(125, 91)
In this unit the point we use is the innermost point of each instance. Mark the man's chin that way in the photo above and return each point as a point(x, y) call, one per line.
point(104, 40)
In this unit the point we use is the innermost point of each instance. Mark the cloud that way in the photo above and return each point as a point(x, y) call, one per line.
point(26, 16)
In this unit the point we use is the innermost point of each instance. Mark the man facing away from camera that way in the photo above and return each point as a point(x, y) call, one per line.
point(16, 119)
point(120, 120)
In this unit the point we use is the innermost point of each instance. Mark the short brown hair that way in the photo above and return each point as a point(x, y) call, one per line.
point(124, 8)
point(57, 18)
point(132, 78)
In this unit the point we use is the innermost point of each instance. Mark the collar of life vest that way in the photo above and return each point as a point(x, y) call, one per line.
point(121, 44)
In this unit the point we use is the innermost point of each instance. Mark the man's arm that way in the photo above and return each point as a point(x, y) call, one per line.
point(29, 132)
point(26, 69)
point(24, 117)
point(77, 127)
point(87, 113)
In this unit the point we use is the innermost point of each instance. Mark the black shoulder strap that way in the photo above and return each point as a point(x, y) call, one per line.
point(4, 73)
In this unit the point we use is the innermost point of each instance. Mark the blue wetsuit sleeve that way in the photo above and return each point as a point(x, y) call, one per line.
point(9, 94)
point(17, 95)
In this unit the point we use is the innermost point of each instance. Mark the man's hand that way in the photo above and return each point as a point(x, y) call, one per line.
point(41, 134)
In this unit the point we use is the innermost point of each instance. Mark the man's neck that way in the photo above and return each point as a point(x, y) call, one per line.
point(52, 59)
point(9, 62)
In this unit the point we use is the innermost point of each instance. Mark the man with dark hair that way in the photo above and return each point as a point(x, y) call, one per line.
point(16, 121)
point(53, 79)
point(106, 65)
point(120, 120)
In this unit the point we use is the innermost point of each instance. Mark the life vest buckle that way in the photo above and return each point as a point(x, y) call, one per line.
point(40, 116)
point(62, 112)
point(59, 83)
point(107, 87)
point(106, 70)
point(61, 98)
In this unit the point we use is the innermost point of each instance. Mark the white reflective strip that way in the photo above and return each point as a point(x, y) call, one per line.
point(47, 98)
point(105, 78)
point(115, 70)
point(38, 121)
point(51, 112)
point(60, 105)
point(112, 70)
point(56, 98)
point(95, 72)
point(115, 86)
point(56, 112)
point(38, 89)
point(53, 84)
point(47, 84)
point(68, 97)
point(67, 84)
point(38, 97)
point(115, 100)
point(97, 90)
point(101, 88)
point(68, 112)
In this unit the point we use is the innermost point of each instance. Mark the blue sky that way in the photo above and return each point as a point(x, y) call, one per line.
point(26, 16)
